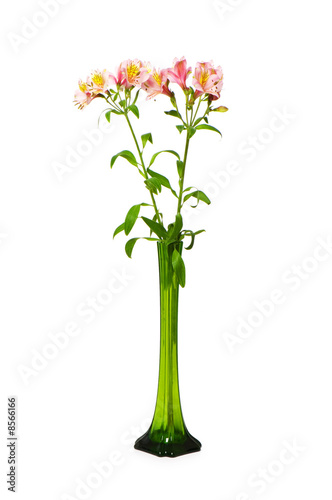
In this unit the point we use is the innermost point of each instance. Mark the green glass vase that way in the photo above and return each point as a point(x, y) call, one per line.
point(168, 435)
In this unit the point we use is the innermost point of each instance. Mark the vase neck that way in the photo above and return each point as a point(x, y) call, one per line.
point(168, 406)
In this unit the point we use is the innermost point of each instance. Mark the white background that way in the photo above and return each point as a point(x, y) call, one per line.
point(56, 250)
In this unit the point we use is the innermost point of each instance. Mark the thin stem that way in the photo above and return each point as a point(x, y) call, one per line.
point(113, 104)
point(198, 105)
point(189, 123)
point(177, 109)
point(184, 168)
point(143, 166)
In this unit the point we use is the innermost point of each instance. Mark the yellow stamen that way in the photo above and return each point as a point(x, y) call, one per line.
point(132, 71)
point(204, 77)
point(97, 79)
point(157, 78)
point(83, 87)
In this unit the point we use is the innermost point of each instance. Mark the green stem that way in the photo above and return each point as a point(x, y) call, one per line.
point(143, 166)
point(177, 109)
point(198, 105)
point(184, 168)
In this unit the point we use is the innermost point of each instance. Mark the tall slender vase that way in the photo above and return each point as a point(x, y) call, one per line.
point(168, 435)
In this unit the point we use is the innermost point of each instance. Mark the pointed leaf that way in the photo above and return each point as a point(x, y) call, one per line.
point(192, 235)
point(208, 127)
point(173, 112)
point(165, 151)
point(199, 195)
point(128, 155)
point(146, 138)
point(191, 131)
point(131, 218)
point(157, 228)
point(130, 246)
point(108, 115)
point(180, 166)
point(198, 120)
point(131, 243)
point(136, 96)
point(180, 128)
point(153, 184)
point(179, 267)
point(134, 109)
point(119, 229)
point(174, 229)
point(163, 180)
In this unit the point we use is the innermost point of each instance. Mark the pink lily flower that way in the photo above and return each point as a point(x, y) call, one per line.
point(118, 79)
point(208, 80)
point(100, 81)
point(157, 83)
point(83, 96)
point(134, 72)
point(179, 73)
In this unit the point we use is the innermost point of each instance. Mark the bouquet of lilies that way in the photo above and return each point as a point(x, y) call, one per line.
point(120, 91)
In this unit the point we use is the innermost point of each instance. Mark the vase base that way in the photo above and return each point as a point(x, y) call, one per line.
point(170, 449)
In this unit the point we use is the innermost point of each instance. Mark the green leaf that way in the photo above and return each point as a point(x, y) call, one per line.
point(153, 184)
point(122, 103)
point(173, 113)
point(131, 218)
point(191, 131)
point(146, 138)
point(180, 128)
point(134, 109)
point(174, 229)
point(179, 267)
point(163, 180)
point(192, 235)
point(119, 229)
point(200, 231)
point(188, 189)
point(130, 246)
point(197, 121)
point(136, 96)
point(206, 119)
point(131, 243)
point(180, 166)
point(108, 116)
point(199, 195)
point(208, 127)
point(165, 151)
point(157, 228)
point(128, 155)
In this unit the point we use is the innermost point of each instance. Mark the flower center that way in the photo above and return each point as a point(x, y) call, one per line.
point(204, 77)
point(83, 87)
point(157, 78)
point(132, 71)
point(97, 79)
